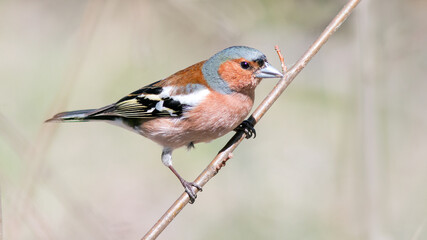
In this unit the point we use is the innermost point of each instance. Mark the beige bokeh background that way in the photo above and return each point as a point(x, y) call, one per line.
point(341, 155)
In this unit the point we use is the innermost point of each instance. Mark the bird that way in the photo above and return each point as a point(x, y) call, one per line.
point(197, 104)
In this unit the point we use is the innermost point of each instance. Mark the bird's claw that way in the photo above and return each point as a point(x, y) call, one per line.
point(188, 186)
point(248, 128)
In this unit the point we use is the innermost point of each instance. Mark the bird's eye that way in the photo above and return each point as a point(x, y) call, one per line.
point(245, 65)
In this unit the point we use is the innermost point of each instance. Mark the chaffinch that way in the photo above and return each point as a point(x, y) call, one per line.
point(197, 104)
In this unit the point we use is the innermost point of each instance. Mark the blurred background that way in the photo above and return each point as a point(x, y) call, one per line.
point(341, 155)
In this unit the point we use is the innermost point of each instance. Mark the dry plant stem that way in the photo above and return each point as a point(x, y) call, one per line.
point(224, 154)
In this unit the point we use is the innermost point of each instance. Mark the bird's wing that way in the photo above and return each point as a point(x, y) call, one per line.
point(155, 100)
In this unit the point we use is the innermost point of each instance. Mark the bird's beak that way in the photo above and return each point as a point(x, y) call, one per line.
point(268, 71)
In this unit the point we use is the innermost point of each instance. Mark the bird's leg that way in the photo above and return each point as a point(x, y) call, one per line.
point(248, 128)
point(167, 161)
point(187, 185)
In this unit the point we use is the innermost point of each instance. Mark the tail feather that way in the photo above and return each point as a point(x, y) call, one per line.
point(104, 113)
point(77, 116)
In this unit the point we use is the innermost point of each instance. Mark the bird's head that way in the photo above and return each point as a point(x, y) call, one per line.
point(237, 69)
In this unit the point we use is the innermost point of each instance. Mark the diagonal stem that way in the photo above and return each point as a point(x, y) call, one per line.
point(219, 161)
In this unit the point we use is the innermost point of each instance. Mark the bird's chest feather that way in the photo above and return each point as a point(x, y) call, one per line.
point(217, 115)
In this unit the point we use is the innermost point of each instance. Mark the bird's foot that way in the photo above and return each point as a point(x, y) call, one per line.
point(248, 128)
point(188, 186)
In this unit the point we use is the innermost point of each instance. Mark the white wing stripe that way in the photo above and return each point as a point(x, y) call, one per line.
point(193, 98)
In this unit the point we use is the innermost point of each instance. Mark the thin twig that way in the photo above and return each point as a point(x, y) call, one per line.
point(282, 60)
point(224, 154)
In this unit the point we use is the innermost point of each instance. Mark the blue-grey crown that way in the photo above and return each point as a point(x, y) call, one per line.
point(211, 66)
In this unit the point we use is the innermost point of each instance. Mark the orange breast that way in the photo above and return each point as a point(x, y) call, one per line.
point(213, 118)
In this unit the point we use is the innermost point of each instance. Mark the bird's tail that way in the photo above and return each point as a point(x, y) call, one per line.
point(83, 115)
point(72, 116)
